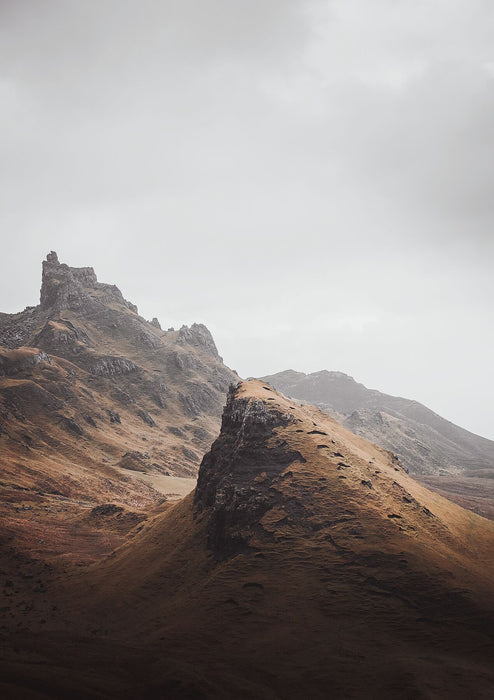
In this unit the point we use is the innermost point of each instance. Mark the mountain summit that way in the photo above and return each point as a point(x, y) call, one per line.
point(64, 287)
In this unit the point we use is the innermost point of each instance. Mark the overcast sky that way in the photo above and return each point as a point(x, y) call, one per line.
point(312, 180)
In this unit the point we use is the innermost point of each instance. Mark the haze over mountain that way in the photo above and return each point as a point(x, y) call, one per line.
point(427, 443)
point(306, 563)
point(448, 458)
point(135, 134)
point(98, 405)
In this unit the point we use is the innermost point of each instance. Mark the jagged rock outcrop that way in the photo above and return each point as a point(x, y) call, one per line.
point(59, 334)
point(15, 362)
point(87, 376)
point(235, 478)
point(112, 366)
point(199, 337)
point(64, 287)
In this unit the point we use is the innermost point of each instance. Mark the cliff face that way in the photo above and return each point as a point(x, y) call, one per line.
point(64, 287)
point(235, 479)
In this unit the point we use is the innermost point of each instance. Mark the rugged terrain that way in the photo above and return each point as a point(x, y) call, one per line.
point(307, 563)
point(446, 457)
point(98, 406)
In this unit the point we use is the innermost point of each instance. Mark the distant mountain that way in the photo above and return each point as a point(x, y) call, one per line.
point(424, 442)
point(307, 564)
point(99, 405)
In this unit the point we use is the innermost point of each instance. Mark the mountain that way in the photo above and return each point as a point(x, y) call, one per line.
point(425, 442)
point(448, 458)
point(307, 563)
point(98, 406)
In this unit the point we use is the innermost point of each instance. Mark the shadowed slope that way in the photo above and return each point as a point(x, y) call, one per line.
point(306, 564)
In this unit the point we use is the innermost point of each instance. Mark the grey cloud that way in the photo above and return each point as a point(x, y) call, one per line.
point(311, 179)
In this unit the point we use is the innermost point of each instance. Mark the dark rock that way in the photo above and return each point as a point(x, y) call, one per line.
point(227, 485)
point(144, 416)
point(185, 361)
point(111, 366)
point(176, 431)
point(135, 461)
point(58, 333)
point(75, 288)
point(366, 482)
point(201, 435)
point(90, 420)
point(156, 323)
point(198, 336)
point(148, 339)
point(190, 454)
point(12, 363)
point(70, 425)
point(199, 399)
point(157, 392)
point(114, 417)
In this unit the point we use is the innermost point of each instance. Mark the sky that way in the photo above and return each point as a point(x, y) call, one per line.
point(313, 180)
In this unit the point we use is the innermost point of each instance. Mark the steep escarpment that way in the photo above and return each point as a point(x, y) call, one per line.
point(235, 476)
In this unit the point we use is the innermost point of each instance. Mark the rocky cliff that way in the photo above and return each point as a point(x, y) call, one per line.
point(85, 381)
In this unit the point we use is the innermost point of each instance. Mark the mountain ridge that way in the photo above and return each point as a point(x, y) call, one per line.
point(99, 405)
point(442, 445)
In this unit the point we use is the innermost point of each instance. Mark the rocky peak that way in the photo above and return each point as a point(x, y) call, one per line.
point(63, 287)
point(76, 288)
point(198, 336)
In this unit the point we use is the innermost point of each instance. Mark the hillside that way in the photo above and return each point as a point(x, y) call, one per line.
point(306, 564)
point(98, 406)
point(449, 459)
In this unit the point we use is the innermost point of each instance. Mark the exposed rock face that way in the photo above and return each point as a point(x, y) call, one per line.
point(85, 354)
point(198, 336)
point(64, 287)
point(61, 333)
point(12, 363)
point(111, 366)
point(425, 442)
point(199, 398)
point(235, 478)
point(144, 416)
